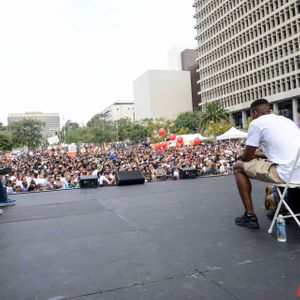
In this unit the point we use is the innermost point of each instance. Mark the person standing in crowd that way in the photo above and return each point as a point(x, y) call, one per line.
point(4, 201)
point(279, 139)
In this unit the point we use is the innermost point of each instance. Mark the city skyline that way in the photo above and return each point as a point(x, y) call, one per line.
point(76, 58)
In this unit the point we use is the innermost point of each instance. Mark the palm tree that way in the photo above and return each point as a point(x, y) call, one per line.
point(212, 112)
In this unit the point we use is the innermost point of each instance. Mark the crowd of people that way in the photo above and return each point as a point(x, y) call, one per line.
point(53, 169)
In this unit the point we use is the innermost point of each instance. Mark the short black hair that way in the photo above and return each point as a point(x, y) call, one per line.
point(259, 102)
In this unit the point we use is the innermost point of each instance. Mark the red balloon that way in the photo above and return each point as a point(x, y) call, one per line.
point(158, 146)
point(162, 131)
point(164, 145)
point(197, 141)
point(180, 140)
point(172, 137)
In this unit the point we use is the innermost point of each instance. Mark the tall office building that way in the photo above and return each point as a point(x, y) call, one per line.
point(162, 94)
point(189, 63)
point(249, 50)
point(51, 121)
point(185, 59)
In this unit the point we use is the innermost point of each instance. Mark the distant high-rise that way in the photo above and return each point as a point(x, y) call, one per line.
point(189, 63)
point(249, 50)
point(119, 110)
point(185, 59)
point(162, 94)
point(51, 121)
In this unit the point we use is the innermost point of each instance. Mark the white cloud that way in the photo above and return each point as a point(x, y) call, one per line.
point(76, 57)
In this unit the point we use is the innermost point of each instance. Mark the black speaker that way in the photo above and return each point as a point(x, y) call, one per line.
point(129, 177)
point(185, 173)
point(88, 181)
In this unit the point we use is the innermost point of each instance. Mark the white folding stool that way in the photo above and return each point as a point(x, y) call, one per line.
point(286, 185)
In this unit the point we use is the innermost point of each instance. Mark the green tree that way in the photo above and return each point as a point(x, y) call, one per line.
point(5, 142)
point(27, 132)
point(98, 120)
point(70, 125)
point(187, 122)
point(152, 126)
point(122, 127)
point(212, 112)
point(137, 132)
point(217, 128)
point(249, 120)
point(74, 136)
point(2, 127)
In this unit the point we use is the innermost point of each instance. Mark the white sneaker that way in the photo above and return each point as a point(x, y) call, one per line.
point(1, 211)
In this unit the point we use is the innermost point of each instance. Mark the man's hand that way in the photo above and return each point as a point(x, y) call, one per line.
point(259, 153)
point(248, 154)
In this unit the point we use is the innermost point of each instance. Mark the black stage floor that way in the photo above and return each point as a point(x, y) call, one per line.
point(164, 240)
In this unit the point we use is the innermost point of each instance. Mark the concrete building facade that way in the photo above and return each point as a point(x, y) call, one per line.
point(162, 94)
point(189, 63)
point(249, 50)
point(119, 110)
point(51, 121)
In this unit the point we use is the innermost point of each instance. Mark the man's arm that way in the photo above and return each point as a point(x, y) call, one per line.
point(248, 154)
point(259, 153)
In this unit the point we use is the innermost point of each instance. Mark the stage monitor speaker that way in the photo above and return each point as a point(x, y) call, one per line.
point(88, 181)
point(129, 177)
point(186, 173)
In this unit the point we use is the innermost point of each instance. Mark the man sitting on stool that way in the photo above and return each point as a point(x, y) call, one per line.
point(279, 139)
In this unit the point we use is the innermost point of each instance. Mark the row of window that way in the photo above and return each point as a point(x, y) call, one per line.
point(249, 58)
point(260, 92)
point(259, 14)
point(257, 76)
point(212, 14)
point(249, 94)
point(203, 9)
point(228, 53)
point(230, 40)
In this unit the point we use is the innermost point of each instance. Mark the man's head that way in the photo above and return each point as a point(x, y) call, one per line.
point(259, 107)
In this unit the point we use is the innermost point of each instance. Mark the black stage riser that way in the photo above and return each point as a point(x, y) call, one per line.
point(129, 177)
point(88, 181)
point(187, 173)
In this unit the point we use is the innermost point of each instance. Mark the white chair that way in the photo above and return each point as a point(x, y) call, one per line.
point(285, 187)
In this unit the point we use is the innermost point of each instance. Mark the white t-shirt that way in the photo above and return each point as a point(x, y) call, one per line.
point(279, 139)
point(95, 173)
point(102, 179)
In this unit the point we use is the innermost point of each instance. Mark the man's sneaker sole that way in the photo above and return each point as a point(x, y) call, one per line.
point(247, 221)
point(249, 225)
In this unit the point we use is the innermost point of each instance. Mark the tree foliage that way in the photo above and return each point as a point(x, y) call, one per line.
point(2, 127)
point(98, 120)
point(153, 125)
point(5, 142)
point(187, 122)
point(212, 112)
point(217, 128)
point(122, 128)
point(249, 120)
point(137, 132)
point(70, 125)
point(27, 132)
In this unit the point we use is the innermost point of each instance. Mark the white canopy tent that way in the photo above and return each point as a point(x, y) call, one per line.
point(188, 138)
point(232, 133)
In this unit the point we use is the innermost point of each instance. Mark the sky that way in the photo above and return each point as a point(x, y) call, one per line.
point(77, 57)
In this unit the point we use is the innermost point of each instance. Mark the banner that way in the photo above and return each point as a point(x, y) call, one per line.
point(52, 140)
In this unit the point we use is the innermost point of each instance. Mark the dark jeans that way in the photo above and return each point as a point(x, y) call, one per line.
point(3, 193)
